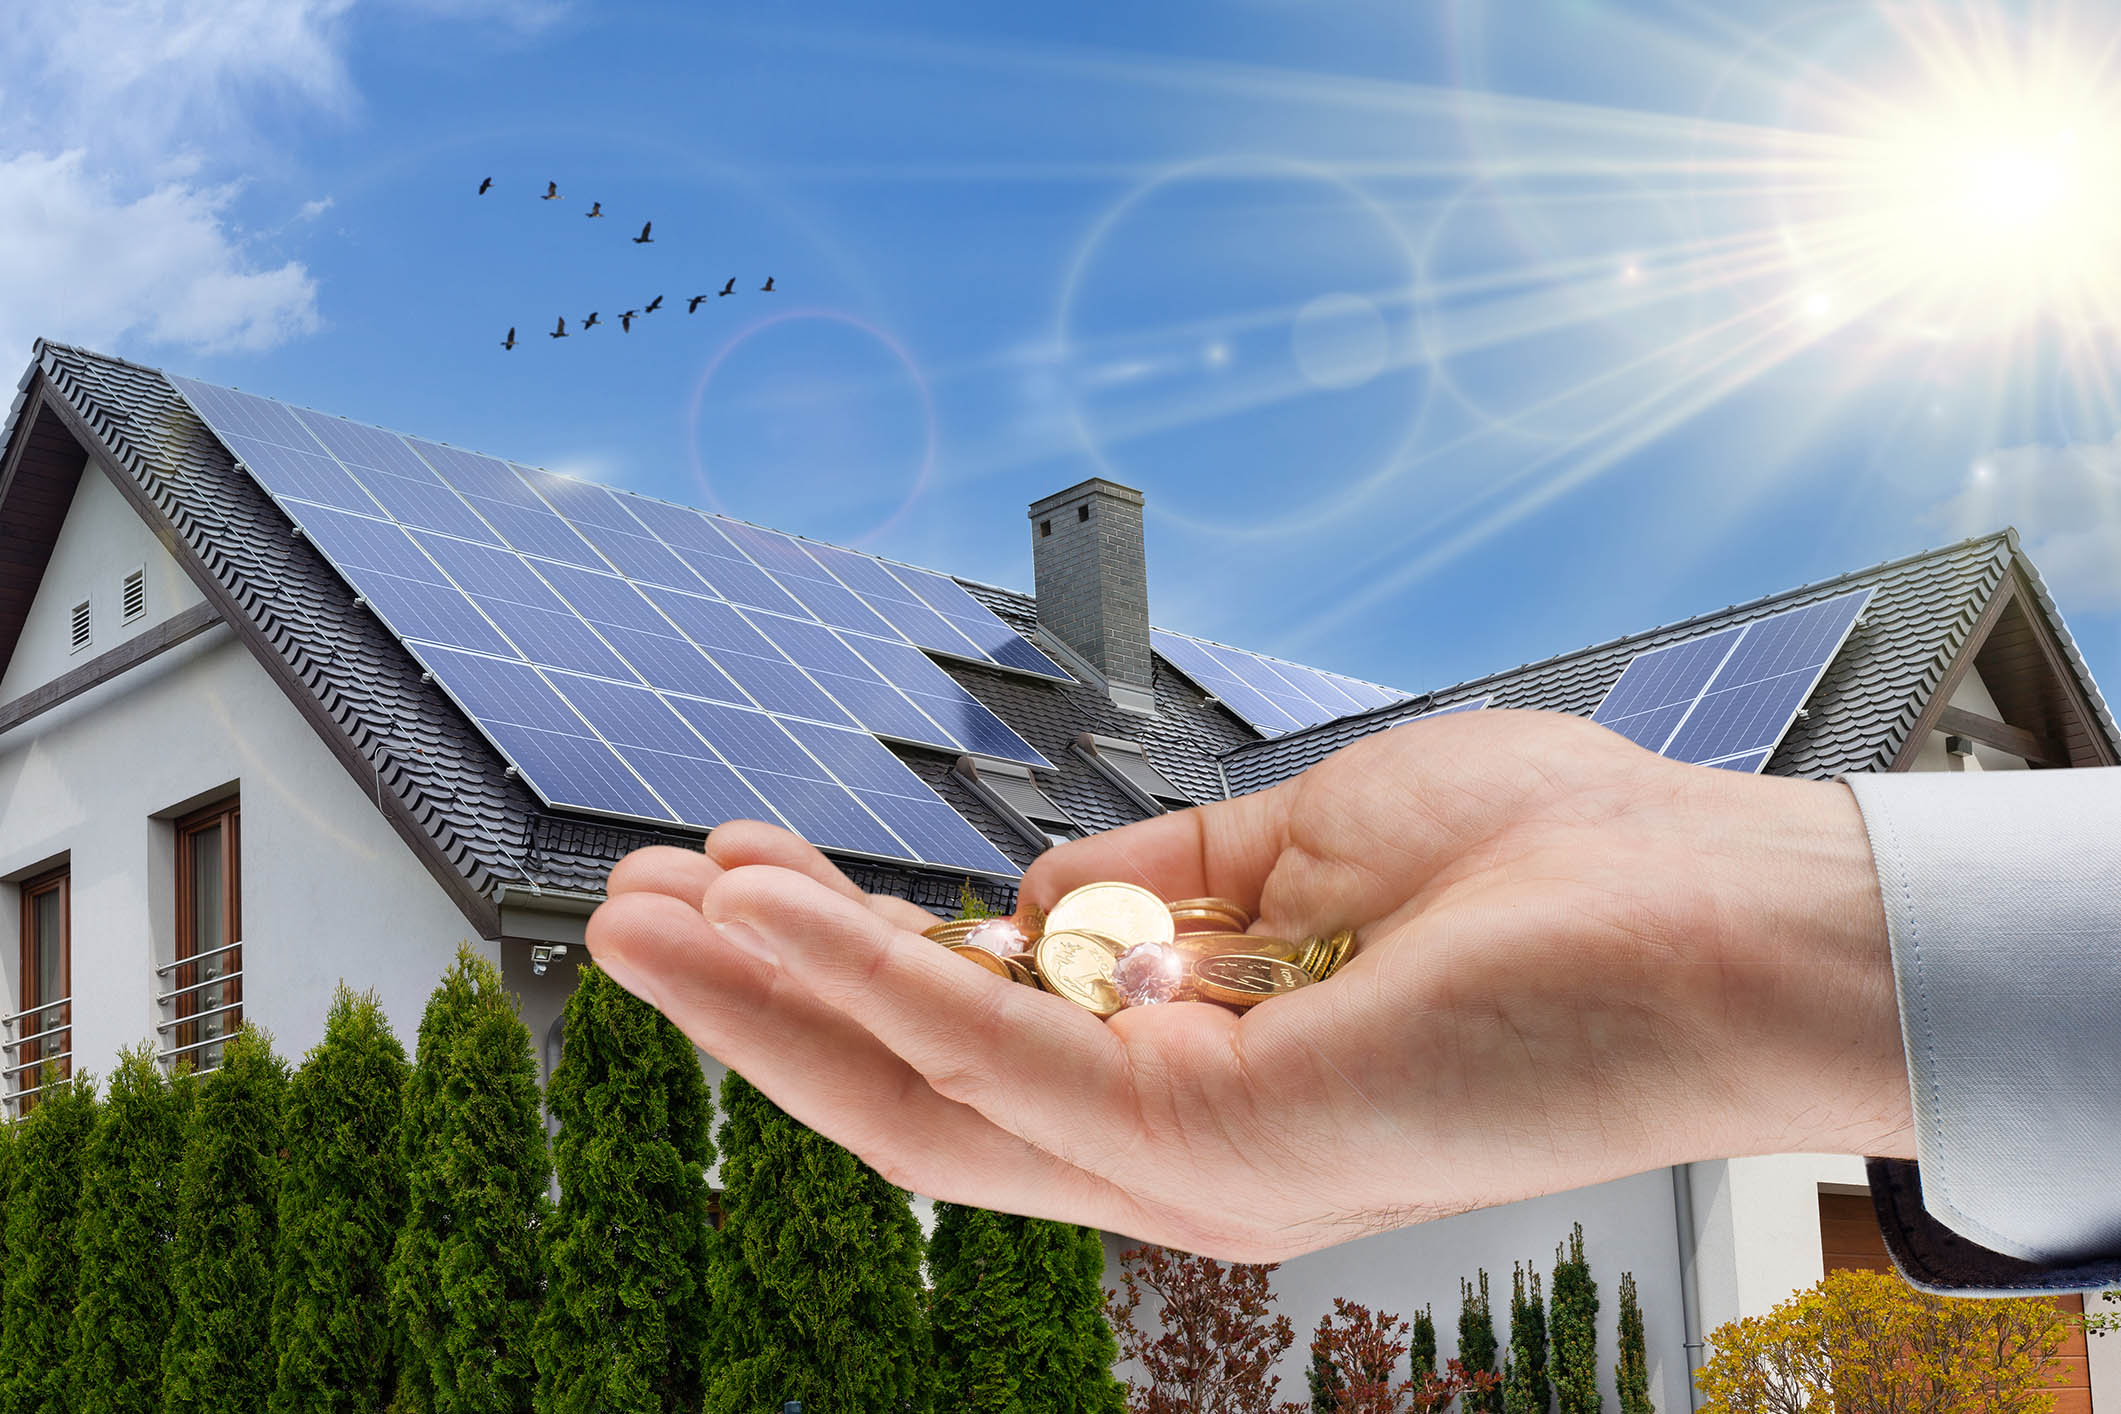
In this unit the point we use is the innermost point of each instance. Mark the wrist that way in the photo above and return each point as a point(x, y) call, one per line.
point(1815, 1058)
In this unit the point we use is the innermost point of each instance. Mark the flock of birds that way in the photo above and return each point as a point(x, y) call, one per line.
point(596, 211)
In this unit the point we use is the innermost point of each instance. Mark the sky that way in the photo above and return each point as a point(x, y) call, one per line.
point(1441, 337)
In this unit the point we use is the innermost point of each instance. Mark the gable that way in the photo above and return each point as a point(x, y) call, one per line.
point(101, 541)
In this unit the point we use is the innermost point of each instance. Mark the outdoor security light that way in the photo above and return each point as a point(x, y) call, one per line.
point(545, 953)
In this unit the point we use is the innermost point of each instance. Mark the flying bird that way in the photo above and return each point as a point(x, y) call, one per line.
point(644, 238)
point(510, 341)
point(767, 288)
point(692, 306)
point(552, 192)
point(596, 208)
point(561, 331)
point(484, 185)
point(653, 305)
point(728, 289)
point(626, 320)
point(591, 321)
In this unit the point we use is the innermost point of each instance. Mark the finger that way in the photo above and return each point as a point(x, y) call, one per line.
point(661, 869)
point(1224, 849)
point(742, 842)
point(827, 1071)
point(1032, 1063)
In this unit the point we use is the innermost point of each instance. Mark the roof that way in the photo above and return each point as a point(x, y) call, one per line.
point(445, 787)
point(1921, 613)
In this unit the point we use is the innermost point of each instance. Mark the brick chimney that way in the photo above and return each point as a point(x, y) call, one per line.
point(1093, 582)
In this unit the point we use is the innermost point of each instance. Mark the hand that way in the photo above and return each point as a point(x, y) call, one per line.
point(1576, 961)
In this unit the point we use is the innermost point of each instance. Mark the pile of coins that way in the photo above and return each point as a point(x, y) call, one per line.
point(1109, 946)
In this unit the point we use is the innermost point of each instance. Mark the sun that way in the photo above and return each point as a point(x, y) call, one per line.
point(1987, 199)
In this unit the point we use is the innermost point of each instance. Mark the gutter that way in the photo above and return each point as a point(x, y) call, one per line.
point(1689, 1292)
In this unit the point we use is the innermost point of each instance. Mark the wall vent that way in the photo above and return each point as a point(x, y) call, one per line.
point(135, 595)
point(80, 627)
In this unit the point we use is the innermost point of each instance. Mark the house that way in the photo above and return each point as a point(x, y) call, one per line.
point(259, 733)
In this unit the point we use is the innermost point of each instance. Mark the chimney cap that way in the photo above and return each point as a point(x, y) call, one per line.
point(1095, 486)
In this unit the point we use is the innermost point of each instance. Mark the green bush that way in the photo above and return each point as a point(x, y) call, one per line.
point(1017, 1315)
point(1524, 1386)
point(465, 1276)
point(815, 1276)
point(1632, 1373)
point(342, 1198)
point(36, 1330)
point(219, 1352)
point(1573, 1360)
point(625, 1314)
point(1422, 1348)
point(1476, 1344)
point(124, 1307)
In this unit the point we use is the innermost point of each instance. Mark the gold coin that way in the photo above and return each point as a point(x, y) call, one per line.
point(1343, 947)
point(1311, 955)
point(1123, 911)
point(1031, 922)
point(981, 956)
point(1019, 971)
point(1211, 944)
point(1078, 966)
point(950, 929)
point(1237, 915)
point(1245, 980)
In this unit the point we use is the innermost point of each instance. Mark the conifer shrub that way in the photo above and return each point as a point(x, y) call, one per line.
point(1477, 1345)
point(1524, 1385)
point(123, 1305)
point(815, 1277)
point(342, 1197)
point(466, 1274)
point(218, 1355)
point(1422, 1343)
point(44, 1198)
point(1017, 1314)
point(1631, 1373)
point(624, 1321)
point(1573, 1327)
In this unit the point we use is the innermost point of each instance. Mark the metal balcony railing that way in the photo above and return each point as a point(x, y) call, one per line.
point(170, 1052)
point(9, 1049)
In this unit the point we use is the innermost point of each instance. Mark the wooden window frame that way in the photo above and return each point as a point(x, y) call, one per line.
point(61, 1044)
point(228, 815)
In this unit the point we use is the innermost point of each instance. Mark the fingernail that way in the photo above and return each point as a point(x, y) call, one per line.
point(740, 936)
point(623, 972)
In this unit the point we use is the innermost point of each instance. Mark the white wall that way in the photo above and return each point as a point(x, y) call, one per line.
point(329, 888)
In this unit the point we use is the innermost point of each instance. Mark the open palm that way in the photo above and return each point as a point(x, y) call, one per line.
point(1575, 961)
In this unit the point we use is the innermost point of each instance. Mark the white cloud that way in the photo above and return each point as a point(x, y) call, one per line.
point(2066, 503)
point(81, 261)
point(311, 210)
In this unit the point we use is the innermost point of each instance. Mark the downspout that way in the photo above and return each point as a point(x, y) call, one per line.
point(1689, 1293)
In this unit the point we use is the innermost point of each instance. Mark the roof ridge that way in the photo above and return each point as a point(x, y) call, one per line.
point(2006, 536)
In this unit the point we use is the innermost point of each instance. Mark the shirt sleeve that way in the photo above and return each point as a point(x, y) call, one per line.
point(2002, 896)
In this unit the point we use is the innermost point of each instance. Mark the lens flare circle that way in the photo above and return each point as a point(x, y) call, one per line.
point(923, 473)
point(1332, 338)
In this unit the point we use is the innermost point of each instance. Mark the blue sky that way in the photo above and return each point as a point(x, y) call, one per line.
point(1441, 337)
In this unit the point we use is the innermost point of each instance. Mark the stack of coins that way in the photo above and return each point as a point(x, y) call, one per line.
point(1109, 946)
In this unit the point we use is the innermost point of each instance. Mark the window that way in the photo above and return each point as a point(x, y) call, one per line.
point(79, 629)
point(1126, 766)
point(133, 601)
point(209, 982)
point(1011, 789)
point(43, 1047)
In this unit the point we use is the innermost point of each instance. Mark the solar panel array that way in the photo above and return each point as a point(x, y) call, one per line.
point(1726, 699)
point(1271, 696)
point(634, 658)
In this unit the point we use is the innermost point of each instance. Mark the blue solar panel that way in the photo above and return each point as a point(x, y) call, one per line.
point(996, 640)
point(542, 737)
point(1272, 696)
point(581, 630)
point(1214, 678)
point(1727, 698)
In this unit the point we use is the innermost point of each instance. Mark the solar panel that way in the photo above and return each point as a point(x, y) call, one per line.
point(584, 632)
point(1727, 698)
point(1273, 697)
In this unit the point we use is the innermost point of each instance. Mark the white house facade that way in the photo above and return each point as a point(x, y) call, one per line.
point(226, 785)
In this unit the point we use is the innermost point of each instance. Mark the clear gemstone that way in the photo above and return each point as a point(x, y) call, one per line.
point(1148, 973)
point(999, 936)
